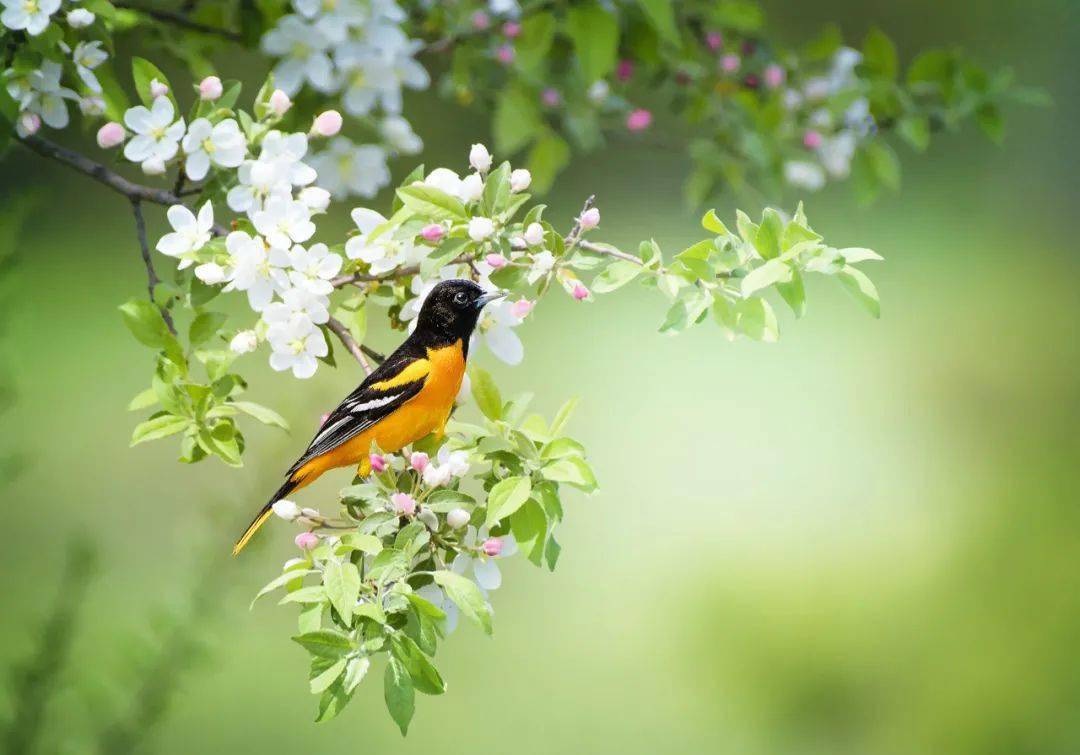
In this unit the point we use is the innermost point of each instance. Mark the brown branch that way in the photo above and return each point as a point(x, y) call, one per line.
point(104, 175)
point(151, 275)
point(180, 20)
point(401, 272)
point(359, 351)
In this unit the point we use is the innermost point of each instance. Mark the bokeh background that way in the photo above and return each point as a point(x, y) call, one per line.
point(863, 539)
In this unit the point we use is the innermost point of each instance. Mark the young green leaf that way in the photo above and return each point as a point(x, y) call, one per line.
point(466, 596)
point(398, 694)
point(506, 497)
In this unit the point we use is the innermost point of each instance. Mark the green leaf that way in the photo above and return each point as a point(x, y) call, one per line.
point(529, 526)
point(205, 326)
point(563, 416)
point(466, 596)
point(767, 239)
point(915, 130)
point(425, 676)
point(143, 400)
point(293, 575)
point(144, 321)
point(496, 191)
point(355, 673)
point(325, 643)
point(884, 163)
point(549, 155)
point(532, 48)
point(595, 34)
point(712, 223)
point(264, 414)
point(661, 15)
point(989, 119)
point(143, 71)
point(773, 271)
point(432, 203)
point(506, 497)
point(757, 320)
point(486, 394)
point(342, 583)
point(794, 293)
point(572, 470)
point(158, 427)
point(879, 54)
point(616, 275)
point(862, 288)
point(517, 118)
point(322, 682)
point(398, 693)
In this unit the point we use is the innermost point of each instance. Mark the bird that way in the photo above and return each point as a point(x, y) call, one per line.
point(410, 395)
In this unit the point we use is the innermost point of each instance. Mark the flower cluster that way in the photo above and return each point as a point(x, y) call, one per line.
point(359, 52)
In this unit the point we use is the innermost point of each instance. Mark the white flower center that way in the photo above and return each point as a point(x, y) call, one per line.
point(208, 146)
point(297, 346)
point(30, 6)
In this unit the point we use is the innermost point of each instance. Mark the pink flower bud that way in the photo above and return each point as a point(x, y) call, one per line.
point(158, 89)
point(419, 460)
point(433, 232)
point(327, 123)
point(638, 120)
point(497, 261)
point(812, 140)
point(29, 123)
point(521, 308)
point(730, 63)
point(551, 97)
point(505, 54)
point(457, 518)
point(492, 546)
point(306, 541)
point(378, 463)
point(580, 292)
point(774, 76)
point(624, 70)
point(111, 135)
point(210, 88)
point(481, 21)
point(511, 29)
point(280, 102)
point(403, 504)
point(715, 40)
point(590, 219)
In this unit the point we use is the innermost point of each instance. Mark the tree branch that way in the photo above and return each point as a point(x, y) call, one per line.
point(99, 172)
point(180, 20)
point(104, 175)
point(151, 275)
point(359, 351)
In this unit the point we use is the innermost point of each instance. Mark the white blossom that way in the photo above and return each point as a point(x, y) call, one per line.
point(222, 144)
point(80, 18)
point(399, 134)
point(520, 180)
point(189, 234)
point(157, 136)
point(244, 342)
point(382, 253)
point(836, 153)
point(346, 168)
point(255, 269)
point(300, 302)
point(284, 221)
point(31, 15)
point(40, 92)
point(484, 569)
point(496, 328)
point(297, 344)
point(88, 56)
point(313, 268)
point(480, 158)
point(302, 49)
point(211, 273)
point(534, 235)
point(480, 228)
point(804, 175)
point(542, 263)
point(376, 68)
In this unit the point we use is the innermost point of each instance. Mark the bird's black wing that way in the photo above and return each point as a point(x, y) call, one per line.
point(397, 380)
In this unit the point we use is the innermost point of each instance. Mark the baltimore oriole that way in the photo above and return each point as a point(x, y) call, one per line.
point(409, 396)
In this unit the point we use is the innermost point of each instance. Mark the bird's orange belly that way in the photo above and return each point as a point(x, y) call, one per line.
point(426, 413)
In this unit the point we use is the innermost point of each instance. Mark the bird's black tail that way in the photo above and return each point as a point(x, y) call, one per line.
point(264, 514)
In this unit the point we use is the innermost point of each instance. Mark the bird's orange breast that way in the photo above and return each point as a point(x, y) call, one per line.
point(425, 413)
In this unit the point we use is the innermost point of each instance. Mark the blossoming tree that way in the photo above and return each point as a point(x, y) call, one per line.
point(245, 172)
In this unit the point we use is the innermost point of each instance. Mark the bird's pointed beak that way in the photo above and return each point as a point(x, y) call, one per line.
point(490, 297)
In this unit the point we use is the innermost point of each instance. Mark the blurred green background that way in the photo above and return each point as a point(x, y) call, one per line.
point(863, 539)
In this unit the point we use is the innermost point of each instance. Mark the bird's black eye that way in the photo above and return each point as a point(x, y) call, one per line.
point(461, 299)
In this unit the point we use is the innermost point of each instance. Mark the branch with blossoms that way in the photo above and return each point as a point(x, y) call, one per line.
point(383, 575)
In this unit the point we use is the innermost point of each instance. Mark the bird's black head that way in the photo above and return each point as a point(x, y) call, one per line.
point(451, 311)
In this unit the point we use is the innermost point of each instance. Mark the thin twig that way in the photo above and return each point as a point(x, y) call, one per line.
point(106, 176)
point(343, 334)
point(179, 19)
point(99, 172)
point(401, 272)
point(151, 275)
